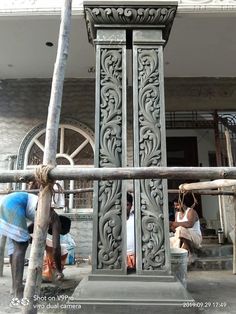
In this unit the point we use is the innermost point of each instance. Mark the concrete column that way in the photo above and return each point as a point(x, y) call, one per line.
point(109, 289)
point(151, 199)
point(109, 237)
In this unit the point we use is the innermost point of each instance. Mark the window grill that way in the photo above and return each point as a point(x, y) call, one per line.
point(75, 148)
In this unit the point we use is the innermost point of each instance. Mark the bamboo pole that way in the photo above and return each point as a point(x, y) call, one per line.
point(234, 237)
point(11, 159)
point(224, 201)
point(230, 161)
point(206, 192)
point(34, 277)
point(90, 190)
point(218, 161)
point(207, 185)
point(75, 191)
point(229, 148)
point(2, 248)
point(125, 173)
point(217, 138)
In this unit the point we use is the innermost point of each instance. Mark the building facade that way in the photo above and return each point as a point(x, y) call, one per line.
point(199, 96)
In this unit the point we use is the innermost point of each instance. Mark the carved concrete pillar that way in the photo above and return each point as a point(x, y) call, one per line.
point(152, 228)
point(109, 240)
point(109, 288)
point(108, 27)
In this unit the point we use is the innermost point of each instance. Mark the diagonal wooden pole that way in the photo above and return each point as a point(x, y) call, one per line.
point(2, 247)
point(207, 185)
point(231, 164)
point(34, 277)
point(234, 236)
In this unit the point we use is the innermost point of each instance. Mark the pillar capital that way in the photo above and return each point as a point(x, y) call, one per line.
point(129, 15)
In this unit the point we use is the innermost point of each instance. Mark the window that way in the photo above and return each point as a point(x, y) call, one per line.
point(75, 148)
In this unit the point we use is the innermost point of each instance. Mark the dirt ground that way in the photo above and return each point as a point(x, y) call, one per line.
point(53, 297)
point(213, 291)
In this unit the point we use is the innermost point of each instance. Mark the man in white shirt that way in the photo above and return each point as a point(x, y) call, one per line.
point(186, 227)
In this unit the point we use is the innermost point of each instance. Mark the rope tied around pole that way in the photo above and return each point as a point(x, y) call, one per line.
point(44, 181)
point(41, 175)
point(182, 194)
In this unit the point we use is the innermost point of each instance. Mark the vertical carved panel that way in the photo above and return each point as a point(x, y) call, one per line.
point(109, 249)
point(151, 191)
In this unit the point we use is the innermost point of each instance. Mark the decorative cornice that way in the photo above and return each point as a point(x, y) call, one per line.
point(129, 16)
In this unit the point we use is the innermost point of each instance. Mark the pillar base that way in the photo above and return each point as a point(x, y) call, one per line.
point(129, 294)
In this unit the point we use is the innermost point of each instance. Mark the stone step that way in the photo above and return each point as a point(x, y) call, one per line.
point(213, 263)
point(210, 239)
point(215, 250)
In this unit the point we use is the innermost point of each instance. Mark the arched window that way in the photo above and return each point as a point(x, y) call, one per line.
point(75, 148)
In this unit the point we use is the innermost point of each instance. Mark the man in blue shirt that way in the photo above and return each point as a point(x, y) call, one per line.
point(15, 209)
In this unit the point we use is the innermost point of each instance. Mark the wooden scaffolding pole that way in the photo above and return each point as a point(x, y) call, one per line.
point(3, 239)
point(231, 163)
point(90, 190)
point(234, 237)
point(218, 161)
point(34, 276)
point(126, 173)
point(2, 247)
point(207, 185)
point(229, 148)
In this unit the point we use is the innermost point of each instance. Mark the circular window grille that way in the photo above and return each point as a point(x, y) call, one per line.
point(75, 148)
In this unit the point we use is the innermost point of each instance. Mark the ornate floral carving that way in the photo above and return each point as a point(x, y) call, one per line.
point(110, 151)
point(149, 109)
point(109, 241)
point(110, 108)
point(157, 15)
point(153, 253)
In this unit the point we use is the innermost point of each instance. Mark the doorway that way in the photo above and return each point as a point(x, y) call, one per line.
point(182, 152)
